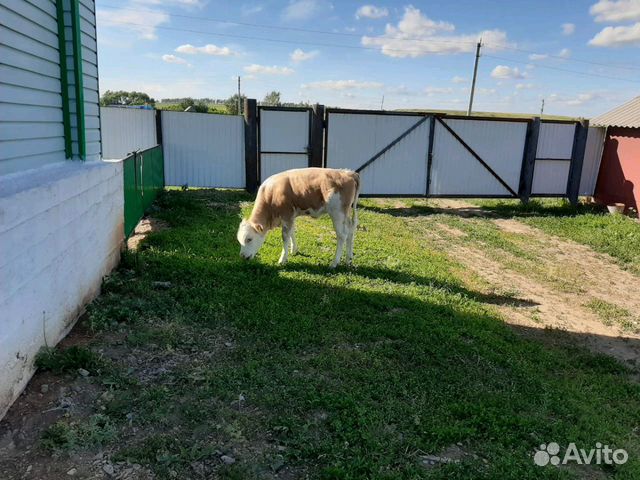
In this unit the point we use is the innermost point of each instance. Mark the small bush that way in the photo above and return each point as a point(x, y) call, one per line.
point(70, 359)
point(97, 431)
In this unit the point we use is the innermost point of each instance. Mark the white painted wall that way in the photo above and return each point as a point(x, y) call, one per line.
point(125, 130)
point(61, 227)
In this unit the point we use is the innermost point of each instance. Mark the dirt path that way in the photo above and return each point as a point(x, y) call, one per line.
point(555, 289)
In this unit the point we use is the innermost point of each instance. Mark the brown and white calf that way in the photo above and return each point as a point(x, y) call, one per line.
point(305, 191)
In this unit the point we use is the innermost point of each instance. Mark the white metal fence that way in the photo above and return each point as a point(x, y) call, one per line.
point(125, 130)
point(203, 150)
point(435, 156)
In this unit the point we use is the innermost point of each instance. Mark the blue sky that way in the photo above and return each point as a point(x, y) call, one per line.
point(582, 57)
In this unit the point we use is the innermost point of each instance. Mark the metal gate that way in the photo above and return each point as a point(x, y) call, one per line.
point(436, 155)
point(284, 139)
point(388, 149)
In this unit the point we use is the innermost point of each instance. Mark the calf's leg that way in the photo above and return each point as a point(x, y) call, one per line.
point(341, 234)
point(294, 243)
point(286, 240)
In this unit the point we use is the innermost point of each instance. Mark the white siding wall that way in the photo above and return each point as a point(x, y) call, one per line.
point(125, 130)
point(31, 128)
point(203, 150)
point(63, 225)
point(89, 78)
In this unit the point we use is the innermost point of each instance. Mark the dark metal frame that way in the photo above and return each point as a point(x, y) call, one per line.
point(259, 132)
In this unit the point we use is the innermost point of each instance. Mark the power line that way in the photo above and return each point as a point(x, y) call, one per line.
point(576, 72)
point(357, 35)
point(356, 47)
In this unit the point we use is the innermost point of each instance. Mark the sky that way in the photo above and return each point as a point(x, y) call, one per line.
point(581, 57)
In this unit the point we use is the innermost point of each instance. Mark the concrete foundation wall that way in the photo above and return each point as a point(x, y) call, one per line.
point(61, 228)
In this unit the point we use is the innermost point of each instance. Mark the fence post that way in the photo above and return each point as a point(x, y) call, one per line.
point(251, 145)
point(317, 130)
point(158, 127)
point(529, 159)
point(577, 159)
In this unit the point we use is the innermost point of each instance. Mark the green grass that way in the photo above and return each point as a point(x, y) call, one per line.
point(611, 314)
point(615, 235)
point(68, 360)
point(345, 374)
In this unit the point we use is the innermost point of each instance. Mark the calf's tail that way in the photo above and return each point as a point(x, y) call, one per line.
point(356, 196)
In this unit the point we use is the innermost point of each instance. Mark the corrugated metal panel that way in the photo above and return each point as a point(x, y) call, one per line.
point(203, 150)
point(555, 140)
point(456, 172)
point(125, 130)
point(355, 138)
point(284, 131)
point(592, 158)
point(626, 115)
point(30, 101)
point(272, 163)
point(550, 177)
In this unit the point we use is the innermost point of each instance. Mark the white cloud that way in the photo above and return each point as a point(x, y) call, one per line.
point(617, 36)
point(371, 11)
point(568, 28)
point(267, 70)
point(524, 86)
point(616, 11)
point(342, 85)
point(504, 72)
point(208, 49)
point(298, 10)
point(417, 35)
point(538, 56)
point(572, 101)
point(564, 53)
point(130, 20)
point(174, 59)
point(458, 79)
point(248, 10)
point(180, 3)
point(299, 55)
point(430, 91)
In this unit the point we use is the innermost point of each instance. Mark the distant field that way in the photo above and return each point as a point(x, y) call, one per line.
point(213, 107)
point(489, 114)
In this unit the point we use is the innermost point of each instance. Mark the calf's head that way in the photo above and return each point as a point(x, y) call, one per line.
point(251, 237)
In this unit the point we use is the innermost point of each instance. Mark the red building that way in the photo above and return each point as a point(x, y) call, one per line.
point(619, 177)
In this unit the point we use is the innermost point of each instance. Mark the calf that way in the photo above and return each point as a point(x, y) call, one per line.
point(305, 191)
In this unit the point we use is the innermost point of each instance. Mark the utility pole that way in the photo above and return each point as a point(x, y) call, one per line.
point(239, 99)
point(382, 103)
point(542, 108)
point(475, 75)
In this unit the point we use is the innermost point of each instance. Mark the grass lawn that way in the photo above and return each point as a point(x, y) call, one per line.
point(301, 372)
point(616, 235)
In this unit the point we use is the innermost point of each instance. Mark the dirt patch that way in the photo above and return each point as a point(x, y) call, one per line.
point(540, 303)
point(144, 228)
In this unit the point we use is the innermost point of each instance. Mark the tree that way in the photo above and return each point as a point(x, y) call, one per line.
point(122, 97)
point(199, 106)
point(272, 99)
point(231, 104)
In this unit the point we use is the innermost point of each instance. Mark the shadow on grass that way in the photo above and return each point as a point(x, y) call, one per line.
point(355, 379)
point(492, 209)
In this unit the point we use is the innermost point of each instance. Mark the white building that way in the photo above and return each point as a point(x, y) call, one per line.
point(61, 207)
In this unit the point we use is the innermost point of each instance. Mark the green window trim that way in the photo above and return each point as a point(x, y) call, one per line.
point(78, 77)
point(64, 80)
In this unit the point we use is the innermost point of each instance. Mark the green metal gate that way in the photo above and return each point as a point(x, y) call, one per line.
point(143, 180)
